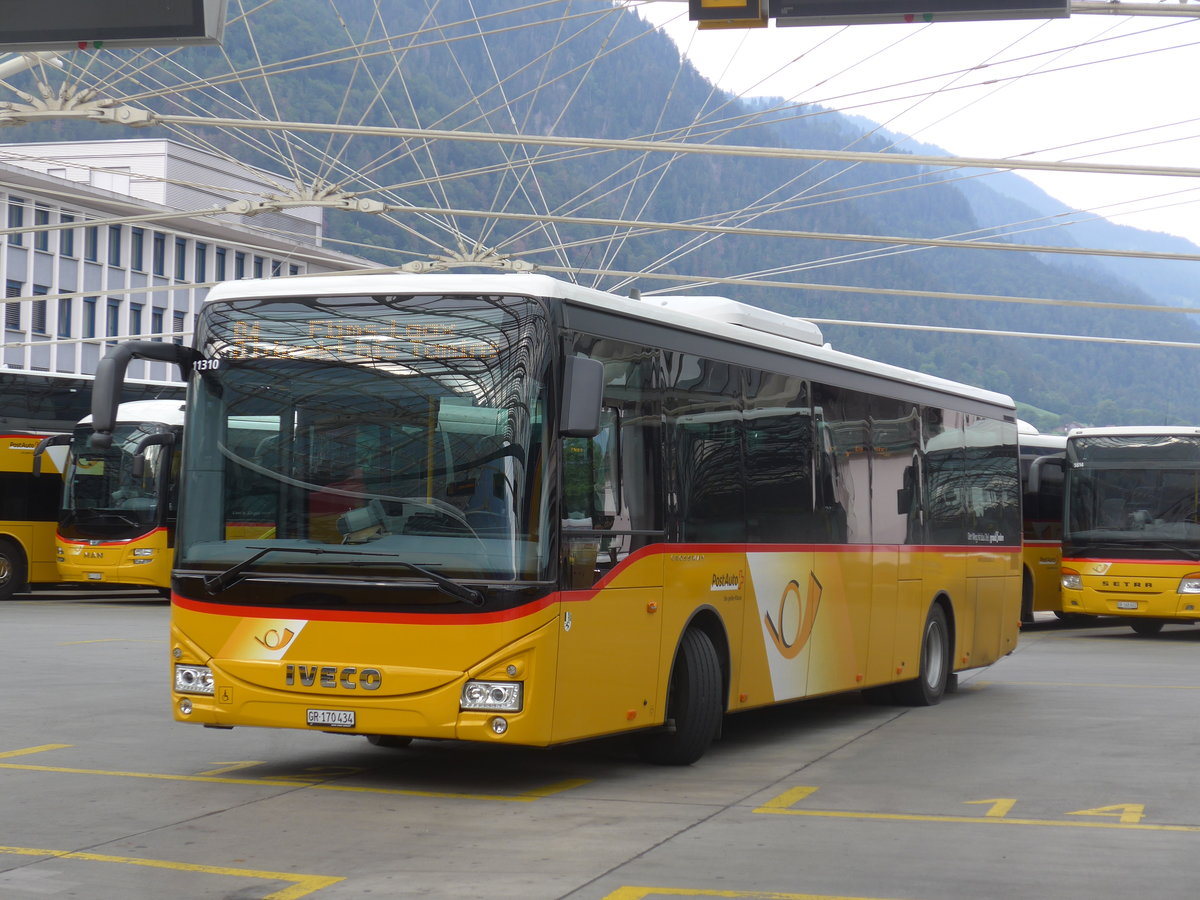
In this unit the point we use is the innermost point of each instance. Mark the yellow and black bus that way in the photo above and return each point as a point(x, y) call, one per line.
point(117, 522)
point(1042, 515)
point(508, 509)
point(1131, 531)
point(28, 511)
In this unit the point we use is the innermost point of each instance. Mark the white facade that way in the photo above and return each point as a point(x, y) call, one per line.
point(73, 291)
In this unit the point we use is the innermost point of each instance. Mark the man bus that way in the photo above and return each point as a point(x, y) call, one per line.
point(117, 522)
point(508, 509)
point(28, 512)
point(1131, 532)
point(1042, 512)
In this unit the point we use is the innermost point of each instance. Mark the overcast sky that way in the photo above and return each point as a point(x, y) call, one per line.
point(1094, 88)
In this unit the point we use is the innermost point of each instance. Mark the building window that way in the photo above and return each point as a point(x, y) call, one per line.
point(160, 254)
point(16, 219)
point(135, 319)
point(91, 243)
point(156, 323)
point(66, 237)
point(181, 259)
point(114, 245)
point(12, 311)
point(276, 268)
point(38, 314)
point(293, 269)
point(89, 317)
point(41, 239)
point(239, 265)
point(112, 325)
point(178, 326)
point(64, 317)
point(220, 264)
point(137, 249)
point(201, 268)
point(258, 267)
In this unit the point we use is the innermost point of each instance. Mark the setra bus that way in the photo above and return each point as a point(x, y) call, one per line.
point(1131, 530)
point(508, 509)
point(117, 521)
point(29, 498)
point(1042, 512)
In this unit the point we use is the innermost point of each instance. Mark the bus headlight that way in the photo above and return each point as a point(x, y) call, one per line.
point(507, 696)
point(193, 679)
point(1071, 580)
point(143, 551)
point(1190, 584)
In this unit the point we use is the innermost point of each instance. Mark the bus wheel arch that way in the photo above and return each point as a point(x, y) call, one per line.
point(934, 672)
point(13, 569)
point(696, 695)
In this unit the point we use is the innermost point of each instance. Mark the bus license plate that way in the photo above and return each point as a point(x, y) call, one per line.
point(1127, 604)
point(331, 718)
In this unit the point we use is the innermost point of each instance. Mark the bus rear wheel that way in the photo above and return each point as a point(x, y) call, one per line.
point(934, 672)
point(694, 707)
point(1146, 627)
point(12, 569)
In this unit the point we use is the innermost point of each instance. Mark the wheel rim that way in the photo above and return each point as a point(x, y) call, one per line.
point(935, 655)
point(5, 570)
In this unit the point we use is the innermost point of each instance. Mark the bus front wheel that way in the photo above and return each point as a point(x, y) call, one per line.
point(934, 673)
point(1146, 627)
point(694, 707)
point(12, 569)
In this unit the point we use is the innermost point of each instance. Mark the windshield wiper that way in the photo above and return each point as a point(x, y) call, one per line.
point(222, 581)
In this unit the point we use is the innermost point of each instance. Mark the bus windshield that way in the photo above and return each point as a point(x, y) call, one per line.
point(103, 498)
point(1139, 490)
point(397, 435)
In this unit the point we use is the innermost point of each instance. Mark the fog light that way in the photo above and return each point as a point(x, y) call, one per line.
point(499, 725)
point(185, 706)
point(193, 679)
point(492, 695)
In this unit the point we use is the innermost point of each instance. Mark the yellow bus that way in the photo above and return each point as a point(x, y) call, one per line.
point(508, 509)
point(117, 522)
point(1131, 535)
point(28, 511)
point(1042, 514)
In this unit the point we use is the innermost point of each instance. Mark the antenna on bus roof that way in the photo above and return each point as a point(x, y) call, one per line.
point(635, 294)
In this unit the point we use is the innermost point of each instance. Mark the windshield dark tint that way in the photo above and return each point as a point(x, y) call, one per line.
point(408, 429)
point(103, 499)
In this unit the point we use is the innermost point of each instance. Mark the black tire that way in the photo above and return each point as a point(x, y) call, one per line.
point(1146, 627)
point(389, 740)
point(12, 570)
point(929, 686)
point(1027, 598)
point(694, 706)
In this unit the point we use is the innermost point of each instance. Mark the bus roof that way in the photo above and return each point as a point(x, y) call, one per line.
point(1133, 430)
point(165, 412)
point(704, 315)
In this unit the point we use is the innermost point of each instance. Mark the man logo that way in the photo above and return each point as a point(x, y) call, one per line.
point(273, 640)
point(803, 611)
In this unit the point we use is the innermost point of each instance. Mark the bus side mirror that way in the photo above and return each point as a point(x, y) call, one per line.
point(1034, 480)
point(137, 466)
point(110, 379)
point(55, 440)
point(583, 394)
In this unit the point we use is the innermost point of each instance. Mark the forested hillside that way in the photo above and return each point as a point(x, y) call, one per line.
point(559, 69)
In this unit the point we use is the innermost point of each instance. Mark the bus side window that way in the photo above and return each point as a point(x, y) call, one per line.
point(591, 489)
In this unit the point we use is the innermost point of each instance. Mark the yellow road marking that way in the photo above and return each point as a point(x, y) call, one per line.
point(27, 750)
point(289, 781)
point(782, 805)
point(640, 893)
point(302, 885)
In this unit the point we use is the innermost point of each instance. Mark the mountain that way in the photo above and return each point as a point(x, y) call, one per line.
point(581, 69)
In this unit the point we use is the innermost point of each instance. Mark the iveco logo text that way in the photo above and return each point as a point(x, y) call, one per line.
point(1148, 585)
point(726, 582)
point(348, 677)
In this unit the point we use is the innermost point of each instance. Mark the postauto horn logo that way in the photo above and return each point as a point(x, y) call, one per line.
point(790, 639)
